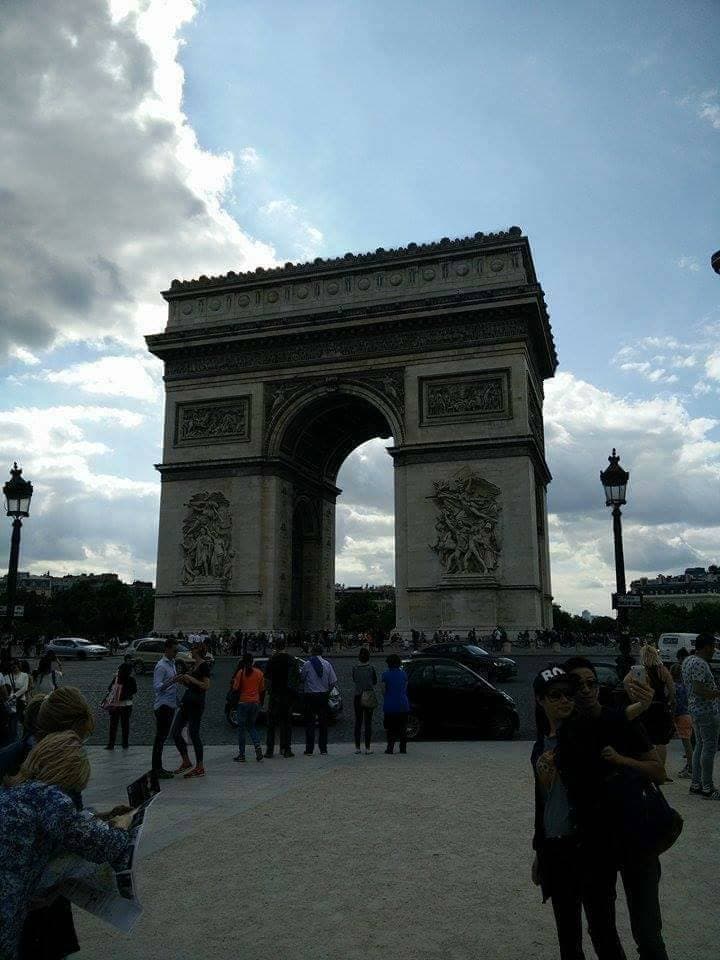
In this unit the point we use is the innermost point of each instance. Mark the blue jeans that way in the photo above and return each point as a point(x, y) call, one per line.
point(706, 741)
point(246, 717)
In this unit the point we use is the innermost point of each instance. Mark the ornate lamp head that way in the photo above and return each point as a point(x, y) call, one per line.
point(614, 480)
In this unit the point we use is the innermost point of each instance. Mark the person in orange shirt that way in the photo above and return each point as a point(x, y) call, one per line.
point(249, 682)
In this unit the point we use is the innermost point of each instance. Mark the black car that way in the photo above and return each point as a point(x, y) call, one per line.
point(611, 692)
point(446, 694)
point(487, 664)
point(335, 700)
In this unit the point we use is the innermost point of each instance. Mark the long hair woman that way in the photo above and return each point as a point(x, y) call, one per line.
point(40, 821)
point(47, 675)
point(121, 709)
point(249, 684)
point(659, 717)
point(190, 711)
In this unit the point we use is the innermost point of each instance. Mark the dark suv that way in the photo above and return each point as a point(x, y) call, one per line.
point(446, 694)
point(487, 664)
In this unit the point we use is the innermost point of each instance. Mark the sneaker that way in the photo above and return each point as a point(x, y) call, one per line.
point(684, 774)
point(258, 754)
point(164, 775)
point(696, 789)
point(240, 758)
point(288, 753)
point(195, 772)
point(368, 750)
point(324, 752)
point(358, 750)
point(268, 756)
point(307, 753)
point(108, 747)
point(388, 750)
point(711, 794)
point(185, 765)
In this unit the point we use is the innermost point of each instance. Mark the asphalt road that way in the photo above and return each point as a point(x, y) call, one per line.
point(93, 677)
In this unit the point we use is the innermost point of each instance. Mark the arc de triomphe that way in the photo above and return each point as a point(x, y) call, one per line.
point(274, 377)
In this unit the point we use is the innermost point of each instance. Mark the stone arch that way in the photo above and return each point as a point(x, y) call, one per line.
point(319, 427)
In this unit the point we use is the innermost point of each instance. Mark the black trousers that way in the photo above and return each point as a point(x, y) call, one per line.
point(279, 715)
point(396, 729)
point(121, 716)
point(564, 873)
point(190, 718)
point(362, 714)
point(641, 880)
point(316, 705)
point(163, 722)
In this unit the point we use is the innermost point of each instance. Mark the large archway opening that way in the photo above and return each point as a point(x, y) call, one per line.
point(315, 436)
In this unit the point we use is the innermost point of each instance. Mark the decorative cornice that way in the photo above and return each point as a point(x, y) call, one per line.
point(381, 340)
point(379, 257)
point(245, 467)
point(483, 449)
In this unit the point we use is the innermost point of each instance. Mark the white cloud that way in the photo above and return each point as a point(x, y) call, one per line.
point(25, 356)
point(689, 263)
point(682, 358)
point(250, 158)
point(673, 495)
point(107, 194)
point(287, 222)
point(135, 377)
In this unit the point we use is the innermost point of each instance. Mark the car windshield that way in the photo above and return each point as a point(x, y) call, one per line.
point(85, 643)
point(477, 651)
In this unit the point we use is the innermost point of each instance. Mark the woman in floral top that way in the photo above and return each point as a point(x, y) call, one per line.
point(40, 821)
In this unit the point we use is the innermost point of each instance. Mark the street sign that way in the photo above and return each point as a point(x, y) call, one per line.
point(19, 611)
point(627, 601)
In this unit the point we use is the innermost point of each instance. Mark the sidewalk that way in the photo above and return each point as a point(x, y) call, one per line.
point(423, 857)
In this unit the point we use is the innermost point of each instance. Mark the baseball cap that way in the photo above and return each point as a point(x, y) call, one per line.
point(547, 677)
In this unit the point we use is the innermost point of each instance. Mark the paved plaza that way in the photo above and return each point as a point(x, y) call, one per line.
point(425, 857)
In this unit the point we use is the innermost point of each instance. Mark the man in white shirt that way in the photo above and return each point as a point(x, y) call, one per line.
point(703, 698)
point(165, 703)
point(318, 678)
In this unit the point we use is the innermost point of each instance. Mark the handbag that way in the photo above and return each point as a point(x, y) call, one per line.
point(368, 700)
point(112, 700)
point(646, 821)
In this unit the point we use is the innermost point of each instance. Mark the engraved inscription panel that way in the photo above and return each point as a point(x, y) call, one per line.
point(217, 421)
point(480, 396)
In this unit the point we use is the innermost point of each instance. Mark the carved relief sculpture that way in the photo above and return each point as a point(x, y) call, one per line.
point(463, 398)
point(467, 528)
point(207, 539)
point(213, 422)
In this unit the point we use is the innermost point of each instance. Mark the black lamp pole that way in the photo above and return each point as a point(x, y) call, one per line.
point(18, 493)
point(614, 480)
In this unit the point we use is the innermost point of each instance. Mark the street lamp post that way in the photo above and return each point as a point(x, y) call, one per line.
point(614, 480)
point(17, 493)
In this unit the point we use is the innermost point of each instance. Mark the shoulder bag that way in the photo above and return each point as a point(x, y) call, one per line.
point(643, 818)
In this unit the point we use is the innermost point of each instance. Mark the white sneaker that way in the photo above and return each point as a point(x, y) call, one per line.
point(358, 750)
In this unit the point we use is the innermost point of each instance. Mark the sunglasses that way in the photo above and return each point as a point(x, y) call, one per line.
point(559, 693)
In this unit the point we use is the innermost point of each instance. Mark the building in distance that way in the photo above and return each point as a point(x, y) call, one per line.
point(696, 585)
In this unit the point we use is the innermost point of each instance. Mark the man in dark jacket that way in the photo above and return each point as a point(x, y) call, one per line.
point(282, 677)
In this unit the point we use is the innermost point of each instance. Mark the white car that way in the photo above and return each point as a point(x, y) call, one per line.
point(76, 647)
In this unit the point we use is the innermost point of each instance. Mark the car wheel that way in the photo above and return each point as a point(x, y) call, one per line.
point(502, 726)
point(231, 716)
point(414, 726)
point(139, 667)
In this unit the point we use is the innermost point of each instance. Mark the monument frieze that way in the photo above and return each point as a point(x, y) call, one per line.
point(214, 421)
point(207, 540)
point(467, 535)
point(472, 396)
point(347, 345)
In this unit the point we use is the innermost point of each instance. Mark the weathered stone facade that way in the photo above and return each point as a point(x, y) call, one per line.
point(274, 377)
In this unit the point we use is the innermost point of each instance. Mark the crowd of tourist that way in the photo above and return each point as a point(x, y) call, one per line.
point(600, 813)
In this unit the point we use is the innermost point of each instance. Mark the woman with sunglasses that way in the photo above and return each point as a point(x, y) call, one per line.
point(557, 865)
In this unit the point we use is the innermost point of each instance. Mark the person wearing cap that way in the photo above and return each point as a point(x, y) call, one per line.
point(595, 745)
point(558, 867)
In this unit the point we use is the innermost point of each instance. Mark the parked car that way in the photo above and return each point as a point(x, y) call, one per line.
point(335, 701)
point(444, 693)
point(76, 647)
point(148, 650)
point(487, 664)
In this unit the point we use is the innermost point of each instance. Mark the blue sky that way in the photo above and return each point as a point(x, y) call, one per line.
point(151, 140)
